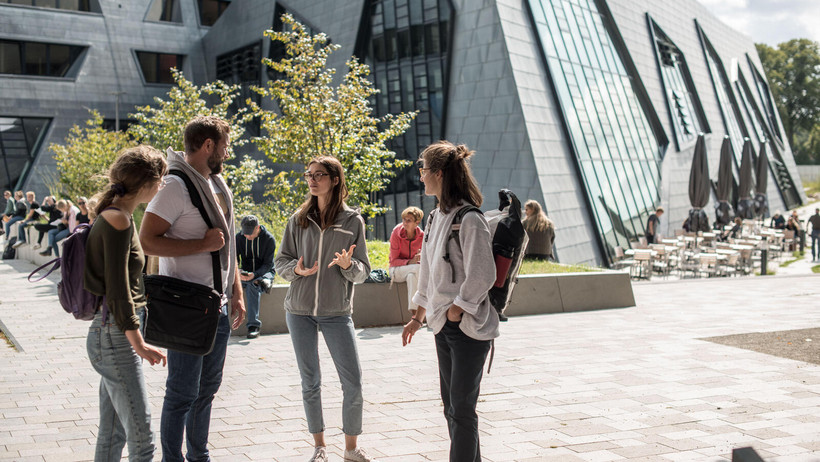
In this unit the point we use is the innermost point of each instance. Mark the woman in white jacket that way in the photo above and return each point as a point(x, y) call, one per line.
point(453, 294)
point(323, 253)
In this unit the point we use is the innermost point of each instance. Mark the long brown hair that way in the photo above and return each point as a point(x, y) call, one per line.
point(539, 219)
point(457, 181)
point(134, 168)
point(338, 194)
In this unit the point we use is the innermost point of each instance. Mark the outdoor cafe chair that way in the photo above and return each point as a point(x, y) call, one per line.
point(642, 268)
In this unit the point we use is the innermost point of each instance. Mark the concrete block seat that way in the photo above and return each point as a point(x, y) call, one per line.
point(27, 251)
point(386, 304)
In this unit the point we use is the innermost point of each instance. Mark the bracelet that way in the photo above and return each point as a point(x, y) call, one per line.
point(414, 319)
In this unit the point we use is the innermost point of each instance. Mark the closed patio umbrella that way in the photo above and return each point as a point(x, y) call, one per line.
point(745, 204)
point(699, 187)
point(761, 181)
point(724, 213)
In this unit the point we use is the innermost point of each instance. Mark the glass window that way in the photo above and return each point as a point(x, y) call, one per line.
point(10, 58)
point(243, 67)
point(37, 58)
point(404, 43)
point(685, 111)
point(613, 130)
point(20, 141)
point(156, 67)
point(71, 5)
point(766, 99)
point(211, 10)
point(164, 10)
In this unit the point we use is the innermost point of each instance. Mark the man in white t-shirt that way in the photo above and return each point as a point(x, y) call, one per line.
point(174, 230)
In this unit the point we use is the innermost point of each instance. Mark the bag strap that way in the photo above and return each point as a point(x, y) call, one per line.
point(454, 234)
point(55, 265)
point(197, 201)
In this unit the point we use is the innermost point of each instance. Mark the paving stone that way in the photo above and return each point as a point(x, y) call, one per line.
point(631, 384)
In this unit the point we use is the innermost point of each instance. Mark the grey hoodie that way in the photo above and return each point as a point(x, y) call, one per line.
point(329, 292)
point(474, 274)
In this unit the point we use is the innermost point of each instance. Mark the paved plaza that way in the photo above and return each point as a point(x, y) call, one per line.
point(629, 384)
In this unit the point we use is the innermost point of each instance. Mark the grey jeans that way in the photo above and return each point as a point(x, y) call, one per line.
point(125, 413)
point(341, 342)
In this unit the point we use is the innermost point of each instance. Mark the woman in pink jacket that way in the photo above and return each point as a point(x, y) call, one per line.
point(405, 252)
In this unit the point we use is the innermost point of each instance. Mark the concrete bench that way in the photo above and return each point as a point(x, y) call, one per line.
point(383, 305)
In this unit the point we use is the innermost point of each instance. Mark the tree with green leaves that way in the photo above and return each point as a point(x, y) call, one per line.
point(162, 126)
point(793, 70)
point(316, 118)
point(84, 159)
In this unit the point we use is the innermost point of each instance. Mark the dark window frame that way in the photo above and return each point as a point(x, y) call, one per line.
point(76, 57)
point(91, 6)
point(158, 55)
point(767, 100)
point(176, 8)
point(32, 147)
point(683, 140)
point(222, 5)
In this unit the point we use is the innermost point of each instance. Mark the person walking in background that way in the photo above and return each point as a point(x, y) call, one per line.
point(113, 269)
point(32, 217)
point(67, 225)
point(814, 222)
point(256, 249)
point(652, 225)
point(405, 252)
point(323, 253)
point(540, 230)
point(454, 293)
point(174, 230)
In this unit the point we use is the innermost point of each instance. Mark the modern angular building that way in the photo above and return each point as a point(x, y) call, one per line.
point(591, 107)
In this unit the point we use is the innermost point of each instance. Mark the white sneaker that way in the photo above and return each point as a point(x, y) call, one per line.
point(320, 455)
point(358, 455)
point(17, 244)
point(36, 246)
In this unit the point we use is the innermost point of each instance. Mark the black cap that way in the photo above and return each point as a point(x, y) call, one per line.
point(249, 224)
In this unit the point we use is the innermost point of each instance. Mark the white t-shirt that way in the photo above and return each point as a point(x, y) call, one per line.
point(173, 204)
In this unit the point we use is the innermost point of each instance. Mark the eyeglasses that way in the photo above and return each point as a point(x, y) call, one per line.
point(422, 170)
point(317, 177)
point(81, 203)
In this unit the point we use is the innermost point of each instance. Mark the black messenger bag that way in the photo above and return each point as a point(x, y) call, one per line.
point(183, 316)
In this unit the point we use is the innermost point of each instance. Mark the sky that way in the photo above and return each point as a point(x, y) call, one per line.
point(769, 21)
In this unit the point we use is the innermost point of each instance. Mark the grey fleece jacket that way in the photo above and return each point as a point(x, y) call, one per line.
point(227, 254)
point(474, 273)
point(329, 292)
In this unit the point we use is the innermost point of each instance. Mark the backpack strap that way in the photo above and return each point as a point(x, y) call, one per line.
point(197, 201)
point(55, 264)
point(455, 227)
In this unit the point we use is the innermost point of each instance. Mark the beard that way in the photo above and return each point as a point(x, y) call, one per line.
point(215, 162)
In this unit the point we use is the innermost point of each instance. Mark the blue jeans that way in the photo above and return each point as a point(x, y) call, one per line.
point(253, 297)
point(189, 394)
point(11, 221)
point(341, 342)
point(460, 367)
point(125, 413)
point(55, 236)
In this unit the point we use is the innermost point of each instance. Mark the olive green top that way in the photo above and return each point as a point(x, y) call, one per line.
point(113, 267)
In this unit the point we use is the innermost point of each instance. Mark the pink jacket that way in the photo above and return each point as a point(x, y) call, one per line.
point(403, 249)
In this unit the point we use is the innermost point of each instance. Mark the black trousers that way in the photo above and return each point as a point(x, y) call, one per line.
point(460, 366)
point(43, 228)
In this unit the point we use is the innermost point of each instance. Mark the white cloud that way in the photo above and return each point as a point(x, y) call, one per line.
point(769, 21)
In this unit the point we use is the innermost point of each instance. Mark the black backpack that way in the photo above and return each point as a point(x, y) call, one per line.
point(10, 252)
point(508, 244)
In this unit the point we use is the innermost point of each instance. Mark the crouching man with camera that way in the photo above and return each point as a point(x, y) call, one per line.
point(255, 248)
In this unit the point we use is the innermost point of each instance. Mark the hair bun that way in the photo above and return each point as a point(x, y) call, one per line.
point(462, 152)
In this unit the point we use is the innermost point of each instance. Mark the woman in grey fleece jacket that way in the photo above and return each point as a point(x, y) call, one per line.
point(323, 253)
point(453, 294)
